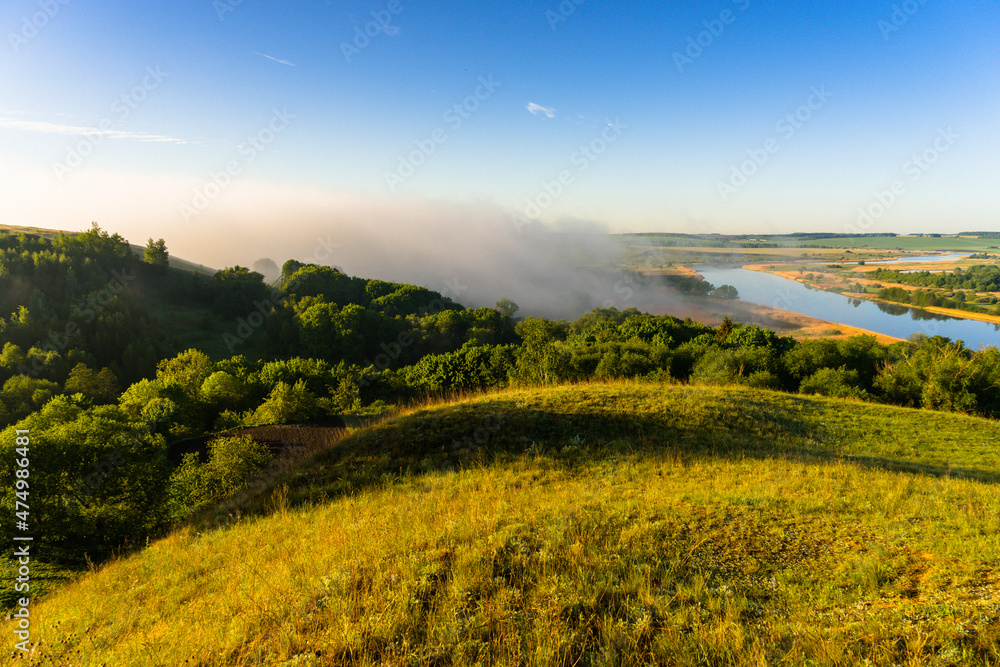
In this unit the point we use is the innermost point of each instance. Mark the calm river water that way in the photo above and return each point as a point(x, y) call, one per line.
point(894, 320)
point(943, 257)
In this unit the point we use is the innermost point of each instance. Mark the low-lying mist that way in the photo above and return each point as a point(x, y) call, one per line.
point(475, 254)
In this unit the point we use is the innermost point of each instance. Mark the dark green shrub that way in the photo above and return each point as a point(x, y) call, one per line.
point(837, 382)
point(233, 463)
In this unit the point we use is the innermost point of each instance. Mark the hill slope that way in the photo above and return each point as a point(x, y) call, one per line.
point(581, 525)
point(175, 262)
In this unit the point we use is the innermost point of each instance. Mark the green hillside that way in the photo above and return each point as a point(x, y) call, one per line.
point(601, 524)
point(35, 231)
point(52, 234)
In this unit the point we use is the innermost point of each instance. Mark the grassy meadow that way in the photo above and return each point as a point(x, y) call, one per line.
point(597, 524)
point(940, 243)
point(646, 251)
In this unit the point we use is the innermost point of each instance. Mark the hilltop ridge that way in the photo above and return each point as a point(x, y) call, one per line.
point(581, 524)
point(175, 262)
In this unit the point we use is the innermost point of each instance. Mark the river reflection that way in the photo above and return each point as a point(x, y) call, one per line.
point(888, 318)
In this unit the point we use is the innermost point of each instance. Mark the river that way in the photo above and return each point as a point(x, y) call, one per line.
point(926, 259)
point(891, 319)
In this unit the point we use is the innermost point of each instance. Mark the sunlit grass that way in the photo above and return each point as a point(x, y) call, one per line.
point(598, 525)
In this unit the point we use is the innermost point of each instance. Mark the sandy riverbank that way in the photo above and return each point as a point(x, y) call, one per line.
point(783, 322)
point(950, 312)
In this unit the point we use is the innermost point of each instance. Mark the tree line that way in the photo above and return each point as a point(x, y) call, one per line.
point(980, 278)
point(947, 289)
point(326, 344)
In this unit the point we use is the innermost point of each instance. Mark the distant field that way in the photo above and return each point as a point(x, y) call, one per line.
point(779, 252)
point(715, 243)
point(649, 258)
point(956, 243)
point(605, 524)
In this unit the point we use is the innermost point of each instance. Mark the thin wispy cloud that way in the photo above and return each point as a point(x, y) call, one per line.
point(41, 127)
point(277, 60)
point(385, 28)
point(538, 108)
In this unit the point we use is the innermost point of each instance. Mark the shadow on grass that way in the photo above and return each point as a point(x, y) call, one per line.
point(723, 424)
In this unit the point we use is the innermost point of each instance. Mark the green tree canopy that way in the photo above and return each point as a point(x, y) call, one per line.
point(187, 370)
point(156, 253)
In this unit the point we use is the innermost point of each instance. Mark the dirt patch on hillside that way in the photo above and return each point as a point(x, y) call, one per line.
point(307, 437)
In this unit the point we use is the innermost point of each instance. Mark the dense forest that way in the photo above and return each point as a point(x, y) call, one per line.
point(86, 368)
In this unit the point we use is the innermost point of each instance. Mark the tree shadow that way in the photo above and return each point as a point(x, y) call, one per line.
point(491, 432)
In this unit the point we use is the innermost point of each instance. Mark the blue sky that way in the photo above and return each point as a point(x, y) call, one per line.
point(683, 136)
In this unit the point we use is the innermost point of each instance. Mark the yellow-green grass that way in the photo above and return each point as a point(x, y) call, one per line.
point(942, 243)
point(603, 524)
point(35, 231)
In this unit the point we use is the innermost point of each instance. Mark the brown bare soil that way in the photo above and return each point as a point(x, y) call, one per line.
point(281, 439)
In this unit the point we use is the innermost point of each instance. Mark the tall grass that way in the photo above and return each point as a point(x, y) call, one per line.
point(599, 525)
